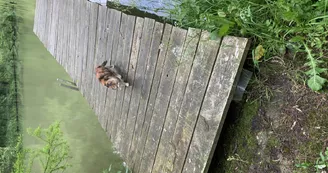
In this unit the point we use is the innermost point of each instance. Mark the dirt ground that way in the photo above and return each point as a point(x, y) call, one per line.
point(279, 124)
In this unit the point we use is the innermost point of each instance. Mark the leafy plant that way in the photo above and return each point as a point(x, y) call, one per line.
point(321, 163)
point(276, 25)
point(53, 156)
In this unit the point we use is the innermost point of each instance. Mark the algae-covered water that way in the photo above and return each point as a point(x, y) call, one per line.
point(45, 102)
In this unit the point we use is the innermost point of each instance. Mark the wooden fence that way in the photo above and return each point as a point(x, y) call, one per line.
point(171, 117)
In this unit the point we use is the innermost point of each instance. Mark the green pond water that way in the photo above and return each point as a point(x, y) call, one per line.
point(46, 102)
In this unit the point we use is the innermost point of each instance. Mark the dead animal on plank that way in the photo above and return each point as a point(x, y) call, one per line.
point(109, 77)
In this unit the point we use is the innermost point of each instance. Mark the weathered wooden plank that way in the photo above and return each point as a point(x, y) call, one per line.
point(79, 42)
point(69, 36)
point(184, 67)
point(216, 103)
point(82, 43)
point(153, 93)
point(127, 29)
point(112, 93)
point(51, 28)
point(101, 42)
point(57, 27)
point(163, 97)
point(84, 48)
point(49, 34)
point(94, 82)
point(63, 34)
point(103, 56)
point(153, 55)
point(108, 52)
point(54, 22)
point(143, 57)
point(40, 19)
point(196, 87)
point(48, 24)
point(66, 35)
point(117, 37)
point(75, 66)
point(43, 18)
point(111, 49)
point(128, 130)
point(93, 18)
point(60, 34)
point(129, 77)
point(113, 39)
point(119, 64)
point(143, 52)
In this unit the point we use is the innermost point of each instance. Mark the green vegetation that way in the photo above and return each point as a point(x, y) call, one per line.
point(9, 85)
point(275, 27)
point(319, 165)
point(53, 156)
point(245, 143)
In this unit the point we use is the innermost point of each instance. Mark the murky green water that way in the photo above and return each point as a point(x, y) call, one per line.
point(45, 102)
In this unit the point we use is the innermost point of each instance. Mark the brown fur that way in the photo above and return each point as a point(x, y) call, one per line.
point(109, 77)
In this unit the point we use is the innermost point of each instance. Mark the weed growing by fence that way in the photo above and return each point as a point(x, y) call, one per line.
point(53, 155)
point(277, 25)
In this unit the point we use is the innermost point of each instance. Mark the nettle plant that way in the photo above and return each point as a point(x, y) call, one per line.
point(274, 26)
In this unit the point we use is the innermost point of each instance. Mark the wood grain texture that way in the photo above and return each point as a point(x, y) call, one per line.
point(146, 89)
point(93, 18)
point(121, 64)
point(43, 17)
point(58, 38)
point(113, 54)
point(144, 75)
point(60, 35)
point(199, 76)
point(54, 28)
point(103, 90)
point(65, 35)
point(174, 55)
point(108, 50)
point(128, 99)
point(81, 43)
point(145, 42)
point(84, 47)
point(49, 41)
point(127, 30)
point(216, 103)
point(100, 57)
point(184, 67)
point(155, 85)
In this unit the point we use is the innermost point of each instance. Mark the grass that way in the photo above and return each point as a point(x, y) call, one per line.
point(274, 26)
point(239, 151)
point(10, 80)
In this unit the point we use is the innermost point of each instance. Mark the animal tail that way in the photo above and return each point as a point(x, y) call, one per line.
point(104, 63)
